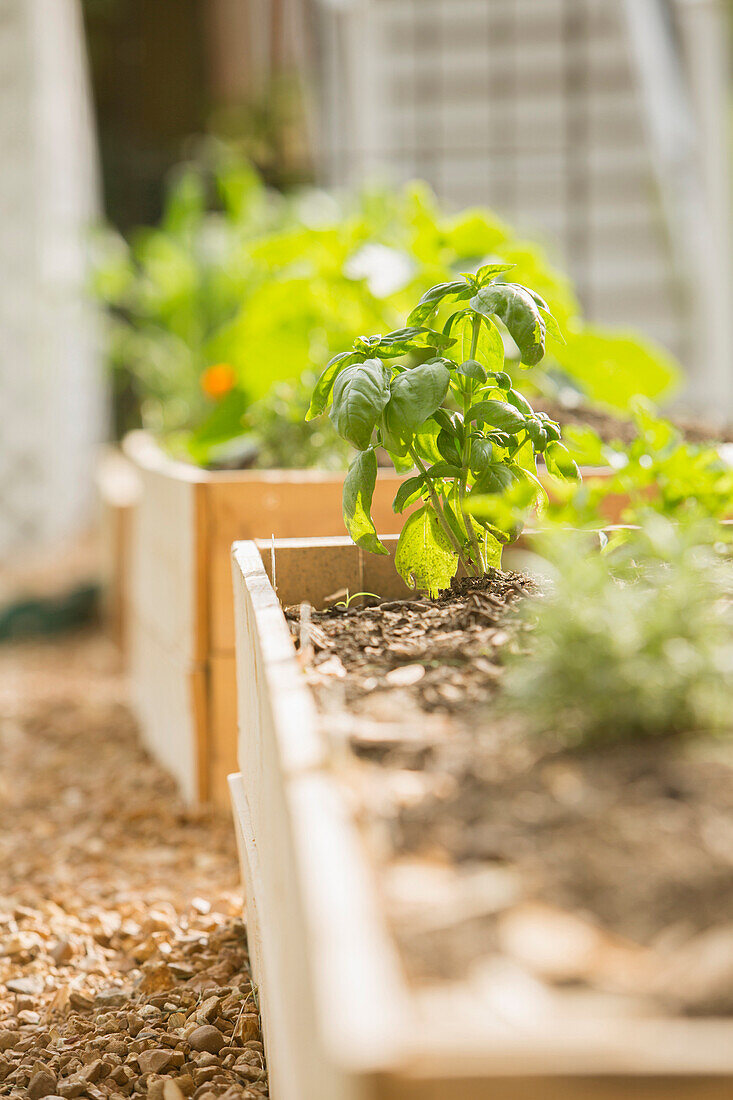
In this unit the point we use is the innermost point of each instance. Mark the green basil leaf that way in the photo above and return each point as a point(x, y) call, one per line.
point(537, 434)
point(425, 441)
point(551, 428)
point(489, 271)
point(324, 385)
point(455, 318)
point(482, 450)
point(357, 502)
point(447, 445)
point(425, 557)
point(365, 345)
point(402, 463)
point(559, 463)
point(408, 492)
point(517, 308)
point(515, 398)
point(415, 396)
point(553, 329)
point(431, 299)
point(496, 478)
point(491, 346)
point(444, 469)
point(526, 458)
point(471, 369)
point(501, 379)
point(539, 300)
point(405, 340)
point(497, 413)
point(443, 417)
point(360, 393)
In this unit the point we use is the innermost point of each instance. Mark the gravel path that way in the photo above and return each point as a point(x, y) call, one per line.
point(123, 961)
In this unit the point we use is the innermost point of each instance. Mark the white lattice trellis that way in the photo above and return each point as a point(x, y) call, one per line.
point(540, 109)
point(51, 388)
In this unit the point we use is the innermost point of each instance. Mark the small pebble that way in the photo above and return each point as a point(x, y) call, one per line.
point(206, 1038)
point(110, 966)
point(41, 1084)
point(153, 1061)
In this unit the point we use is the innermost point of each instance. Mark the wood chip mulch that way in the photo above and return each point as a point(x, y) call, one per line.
point(123, 958)
point(589, 882)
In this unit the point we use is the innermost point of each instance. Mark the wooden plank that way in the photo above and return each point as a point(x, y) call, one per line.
point(162, 575)
point(559, 1088)
point(179, 583)
point(165, 687)
point(221, 757)
point(312, 570)
point(286, 504)
point(118, 490)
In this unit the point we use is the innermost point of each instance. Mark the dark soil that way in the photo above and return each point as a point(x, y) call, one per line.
point(608, 872)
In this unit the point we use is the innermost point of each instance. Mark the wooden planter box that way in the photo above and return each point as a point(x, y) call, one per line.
point(118, 491)
point(180, 622)
point(340, 1022)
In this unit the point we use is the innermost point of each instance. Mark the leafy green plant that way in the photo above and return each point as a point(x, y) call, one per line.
point(262, 288)
point(659, 471)
point(272, 434)
point(634, 642)
point(458, 421)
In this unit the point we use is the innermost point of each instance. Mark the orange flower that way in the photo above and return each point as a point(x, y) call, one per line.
point(218, 380)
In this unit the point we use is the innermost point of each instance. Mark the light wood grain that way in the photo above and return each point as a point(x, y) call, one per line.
point(178, 580)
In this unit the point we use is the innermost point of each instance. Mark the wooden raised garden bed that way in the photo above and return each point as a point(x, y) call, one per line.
point(342, 1020)
point(179, 617)
point(174, 591)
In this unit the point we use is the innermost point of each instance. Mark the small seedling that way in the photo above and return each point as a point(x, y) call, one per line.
point(349, 599)
point(454, 418)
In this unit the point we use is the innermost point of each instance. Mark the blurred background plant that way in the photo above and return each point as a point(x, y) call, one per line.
point(659, 470)
point(609, 152)
point(636, 641)
point(265, 286)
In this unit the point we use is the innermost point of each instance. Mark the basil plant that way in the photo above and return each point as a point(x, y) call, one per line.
point(441, 405)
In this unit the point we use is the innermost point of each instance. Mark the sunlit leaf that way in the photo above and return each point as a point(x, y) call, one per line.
point(357, 502)
point(516, 307)
point(360, 393)
point(424, 557)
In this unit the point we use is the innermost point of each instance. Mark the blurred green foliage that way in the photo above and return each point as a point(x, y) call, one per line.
point(271, 285)
point(633, 642)
point(658, 471)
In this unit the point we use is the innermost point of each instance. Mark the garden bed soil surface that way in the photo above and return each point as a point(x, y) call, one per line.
point(613, 429)
point(602, 879)
point(123, 960)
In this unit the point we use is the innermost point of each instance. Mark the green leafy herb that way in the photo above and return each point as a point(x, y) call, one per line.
point(357, 501)
point(472, 439)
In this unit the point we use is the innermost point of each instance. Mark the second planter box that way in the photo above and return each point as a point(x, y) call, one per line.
point(180, 627)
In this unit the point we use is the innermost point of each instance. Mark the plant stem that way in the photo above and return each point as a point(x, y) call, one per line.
point(437, 508)
point(466, 455)
point(468, 524)
point(476, 323)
